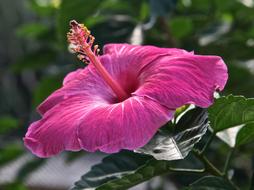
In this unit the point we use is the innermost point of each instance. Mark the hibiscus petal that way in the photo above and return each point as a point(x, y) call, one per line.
point(126, 125)
point(56, 131)
point(125, 62)
point(183, 79)
point(80, 82)
point(81, 122)
point(139, 52)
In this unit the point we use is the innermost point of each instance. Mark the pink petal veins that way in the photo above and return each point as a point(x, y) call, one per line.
point(124, 62)
point(57, 130)
point(82, 122)
point(85, 113)
point(126, 125)
point(175, 81)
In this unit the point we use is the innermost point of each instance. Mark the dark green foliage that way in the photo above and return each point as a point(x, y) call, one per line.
point(231, 111)
point(211, 183)
point(245, 135)
point(115, 172)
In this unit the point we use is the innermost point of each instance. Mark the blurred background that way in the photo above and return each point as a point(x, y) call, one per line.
point(34, 58)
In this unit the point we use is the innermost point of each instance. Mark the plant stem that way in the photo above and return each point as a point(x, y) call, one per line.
point(226, 166)
point(208, 143)
point(210, 168)
point(208, 165)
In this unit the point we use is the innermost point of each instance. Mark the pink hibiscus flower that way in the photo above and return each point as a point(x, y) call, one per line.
point(122, 97)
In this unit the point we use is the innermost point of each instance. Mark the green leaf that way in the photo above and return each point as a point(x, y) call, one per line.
point(46, 86)
point(245, 135)
point(121, 171)
point(211, 183)
point(31, 30)
point(191, 127)
point(147, 171)
point(74, 9)
point(8, 123)
point(10, 153)
point(112, 167)
point(231, 111)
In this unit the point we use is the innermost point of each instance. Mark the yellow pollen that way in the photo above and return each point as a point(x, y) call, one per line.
point(81, 41)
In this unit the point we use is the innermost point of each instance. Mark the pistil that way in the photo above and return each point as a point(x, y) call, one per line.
point(81, 41)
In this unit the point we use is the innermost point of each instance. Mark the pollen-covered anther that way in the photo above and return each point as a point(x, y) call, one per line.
point(83, 58)
point(96, 50)
point(82, 41)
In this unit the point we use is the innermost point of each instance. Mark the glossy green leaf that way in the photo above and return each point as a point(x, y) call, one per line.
point(245, 135)
point(122, 171)
point(211, 183)
point(110, 172)
point(231, 111)
point(190, 129)
point(8, 123)
point(145, 172)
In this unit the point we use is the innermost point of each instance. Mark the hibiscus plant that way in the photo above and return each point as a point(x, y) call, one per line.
point(146, 106)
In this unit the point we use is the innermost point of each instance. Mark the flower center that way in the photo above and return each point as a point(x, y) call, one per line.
point(81, 42)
